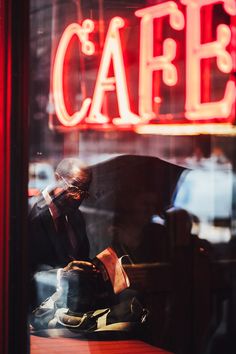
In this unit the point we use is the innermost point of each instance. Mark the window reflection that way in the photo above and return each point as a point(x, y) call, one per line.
point(206, 191)
point(160, 207)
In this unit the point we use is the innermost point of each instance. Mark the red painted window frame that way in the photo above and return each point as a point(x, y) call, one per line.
point(5, 113)
point(14, 43)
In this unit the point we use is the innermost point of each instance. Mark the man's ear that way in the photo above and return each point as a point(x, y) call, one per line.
point(57, 176)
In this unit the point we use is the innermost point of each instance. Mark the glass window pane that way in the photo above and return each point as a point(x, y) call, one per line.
point(131, 173)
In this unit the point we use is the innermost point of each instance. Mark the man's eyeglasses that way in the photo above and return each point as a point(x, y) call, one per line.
point(74, 191)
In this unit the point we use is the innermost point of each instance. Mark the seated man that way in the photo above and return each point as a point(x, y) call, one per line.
point(59, 251)
point(57, 233)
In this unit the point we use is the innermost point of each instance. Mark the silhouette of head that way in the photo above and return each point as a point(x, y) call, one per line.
point(74, 179)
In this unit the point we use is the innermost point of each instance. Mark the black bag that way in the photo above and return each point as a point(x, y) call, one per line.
point(87, 298)
point(86, 291)
point(126, 317)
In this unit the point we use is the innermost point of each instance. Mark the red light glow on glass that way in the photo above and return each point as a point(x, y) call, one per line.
point(112, 52)
point(149, 63)
point(87, 48)
point(195, 51)
point(92, 110)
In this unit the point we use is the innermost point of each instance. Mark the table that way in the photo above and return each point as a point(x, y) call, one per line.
point(41, 345)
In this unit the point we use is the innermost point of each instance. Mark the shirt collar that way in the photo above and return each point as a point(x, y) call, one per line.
point(54, 211)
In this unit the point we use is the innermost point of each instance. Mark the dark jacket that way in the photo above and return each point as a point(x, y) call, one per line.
point(48, 246)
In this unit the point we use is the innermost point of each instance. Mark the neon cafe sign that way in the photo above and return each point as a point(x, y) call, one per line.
point(91, 112)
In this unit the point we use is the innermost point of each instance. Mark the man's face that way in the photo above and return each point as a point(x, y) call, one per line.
point(70, 192)
point(68, 197)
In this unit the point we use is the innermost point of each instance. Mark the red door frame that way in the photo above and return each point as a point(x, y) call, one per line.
point(14, 19)
point(5, 112)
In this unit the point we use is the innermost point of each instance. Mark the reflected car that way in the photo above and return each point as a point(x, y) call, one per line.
point(41, 174)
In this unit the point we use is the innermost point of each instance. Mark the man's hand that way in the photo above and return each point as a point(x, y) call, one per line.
point(81, 266)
